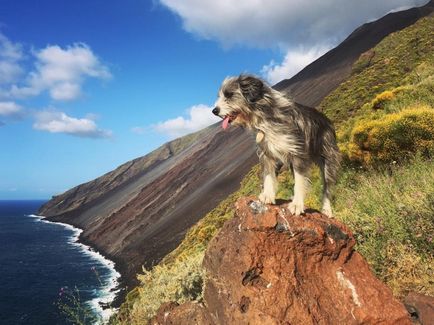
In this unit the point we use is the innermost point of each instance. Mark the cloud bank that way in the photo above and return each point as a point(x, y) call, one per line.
point(58, 122)
point(294, 61)
point(288, 25)
point(61, 72)
point(199, 117)
point(262, 23)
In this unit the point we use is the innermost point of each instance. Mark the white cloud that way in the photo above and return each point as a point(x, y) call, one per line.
point(58, 122)
point(10, 109)
point(294, 61)
point(10, 55)
point(262, 23)
point(200, 116)
point(287, 25)
point(61, 72)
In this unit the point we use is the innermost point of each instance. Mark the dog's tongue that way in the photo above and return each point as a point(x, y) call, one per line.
point(225, 123)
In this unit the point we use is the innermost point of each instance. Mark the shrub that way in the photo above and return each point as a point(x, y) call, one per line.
point(181, 281)
point(382, 98)
point(393, 137)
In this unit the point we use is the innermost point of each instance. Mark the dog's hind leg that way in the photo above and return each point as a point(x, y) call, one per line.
point(301, 182)
point(268, 194)
point(328, 175)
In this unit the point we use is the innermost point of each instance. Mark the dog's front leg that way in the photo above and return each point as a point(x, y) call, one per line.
point(300, 185)
point(268, 194)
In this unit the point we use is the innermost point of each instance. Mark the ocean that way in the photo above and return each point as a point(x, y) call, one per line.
point(44, 270)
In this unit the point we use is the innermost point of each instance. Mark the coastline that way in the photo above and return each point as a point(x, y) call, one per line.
point(109, 293)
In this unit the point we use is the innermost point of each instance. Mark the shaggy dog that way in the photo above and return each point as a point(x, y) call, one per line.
point(286, 133)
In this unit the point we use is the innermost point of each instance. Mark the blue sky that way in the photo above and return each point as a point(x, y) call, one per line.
point(87, 85)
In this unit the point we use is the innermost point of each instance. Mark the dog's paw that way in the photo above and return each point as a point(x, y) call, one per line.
point(296, 208)
point(327, 208)
point(327, 211)
point(267, 198)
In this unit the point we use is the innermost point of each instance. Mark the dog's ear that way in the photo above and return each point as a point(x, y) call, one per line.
point(252, 88)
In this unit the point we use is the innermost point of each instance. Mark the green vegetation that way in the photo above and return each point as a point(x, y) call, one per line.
point(391, 212)
point(385, 126)
point(401, 58)
point(179, 276)
point(74, 309)
point(393, 137)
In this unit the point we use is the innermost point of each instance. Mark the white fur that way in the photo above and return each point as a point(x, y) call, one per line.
point(268, 194)
point(297, 205)
point(327, 207)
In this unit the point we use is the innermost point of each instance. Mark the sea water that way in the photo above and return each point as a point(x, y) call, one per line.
point(43, 268)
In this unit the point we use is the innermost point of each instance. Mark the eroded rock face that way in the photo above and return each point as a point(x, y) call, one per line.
point(269, 267)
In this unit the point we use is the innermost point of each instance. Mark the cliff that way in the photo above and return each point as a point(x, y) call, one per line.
point(139, 212)
point(267, 266)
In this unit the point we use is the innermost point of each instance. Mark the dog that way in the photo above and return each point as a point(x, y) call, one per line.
point(286, 134)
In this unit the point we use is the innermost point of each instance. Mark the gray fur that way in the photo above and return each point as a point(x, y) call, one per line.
point(294, 135)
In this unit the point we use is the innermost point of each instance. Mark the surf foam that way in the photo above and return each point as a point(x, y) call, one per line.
point(110, 285)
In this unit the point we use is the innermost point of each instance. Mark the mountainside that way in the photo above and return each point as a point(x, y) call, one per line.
point(141, 211)
point(322, 76)
point(384, 116)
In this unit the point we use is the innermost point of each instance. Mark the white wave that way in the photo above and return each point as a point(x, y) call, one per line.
point(107, 293)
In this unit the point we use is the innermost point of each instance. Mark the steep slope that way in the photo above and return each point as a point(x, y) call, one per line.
point(142, 210)
point(321, 77)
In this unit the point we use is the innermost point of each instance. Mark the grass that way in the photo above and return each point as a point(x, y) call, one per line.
point(389, 204)
point(391, 212)
point(179, 281)
point(74, 309)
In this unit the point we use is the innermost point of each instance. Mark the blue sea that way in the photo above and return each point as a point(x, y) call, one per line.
point(43, 269)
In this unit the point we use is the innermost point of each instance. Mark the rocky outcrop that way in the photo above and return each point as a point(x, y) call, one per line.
point(267, 266)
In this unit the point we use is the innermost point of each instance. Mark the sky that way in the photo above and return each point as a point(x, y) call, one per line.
point(87, 85)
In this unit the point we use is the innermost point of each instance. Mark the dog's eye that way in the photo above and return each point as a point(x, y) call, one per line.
point(228, 94)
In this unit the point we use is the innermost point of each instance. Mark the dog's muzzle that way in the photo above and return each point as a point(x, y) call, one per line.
point(216, 111)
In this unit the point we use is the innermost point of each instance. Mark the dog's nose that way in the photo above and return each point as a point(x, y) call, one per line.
point(216, 111)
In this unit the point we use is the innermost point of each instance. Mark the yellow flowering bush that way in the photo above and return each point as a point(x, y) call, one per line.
point(393, 137)
point(382, 98)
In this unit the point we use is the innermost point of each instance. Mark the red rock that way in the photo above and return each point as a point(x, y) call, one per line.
point(188, 313)
point(420, 307)
point(267, 266)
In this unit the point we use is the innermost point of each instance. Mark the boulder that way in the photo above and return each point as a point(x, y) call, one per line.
point(267, 266)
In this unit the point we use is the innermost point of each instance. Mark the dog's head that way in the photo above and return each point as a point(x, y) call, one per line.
point(239, 99)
